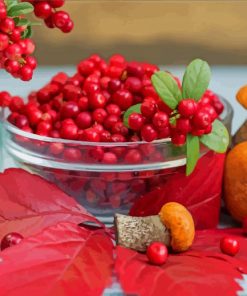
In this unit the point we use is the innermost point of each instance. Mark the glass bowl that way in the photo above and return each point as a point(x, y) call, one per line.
point(152, 174)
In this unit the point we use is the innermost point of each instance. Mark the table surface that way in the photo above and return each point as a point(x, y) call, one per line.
point(226, 80)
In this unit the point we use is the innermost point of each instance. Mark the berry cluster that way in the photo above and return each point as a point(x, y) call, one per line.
point(15, 52)
point(90, 106)
point(46, 10)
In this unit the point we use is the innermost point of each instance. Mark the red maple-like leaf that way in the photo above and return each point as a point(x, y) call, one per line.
point(63, 260)
point(203, 270)
point(30, 203)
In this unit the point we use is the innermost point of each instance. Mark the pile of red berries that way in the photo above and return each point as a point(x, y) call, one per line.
point(90, 106)
point(15, 52)
point(46, 10)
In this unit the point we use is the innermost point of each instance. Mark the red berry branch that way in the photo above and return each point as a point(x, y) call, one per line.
point(16, 47)
point(46, 10)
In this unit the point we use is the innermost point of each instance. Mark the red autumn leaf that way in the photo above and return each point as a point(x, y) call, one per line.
point(63, 260)
point(199, 193)
point(30, 203)
point(203, 270)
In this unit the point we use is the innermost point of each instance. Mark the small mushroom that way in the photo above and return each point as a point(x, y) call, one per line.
point(173, 226)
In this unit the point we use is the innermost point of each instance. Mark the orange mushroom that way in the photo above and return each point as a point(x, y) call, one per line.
point(242, 96)
point(174, 226)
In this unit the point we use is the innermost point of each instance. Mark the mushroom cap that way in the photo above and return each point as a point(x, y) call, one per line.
point(181, 225)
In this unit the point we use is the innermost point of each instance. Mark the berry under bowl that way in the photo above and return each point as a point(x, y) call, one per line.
point(144, 177)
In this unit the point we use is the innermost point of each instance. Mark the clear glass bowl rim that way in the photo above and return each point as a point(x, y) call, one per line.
point(227, 115)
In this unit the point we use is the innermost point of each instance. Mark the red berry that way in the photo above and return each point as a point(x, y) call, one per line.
point(69, 110)
point(26, 73)
point(72, 154)
point(56, 3)
point(183, 125)
point(113, 109)
point(117, 60)
point(115, 72)
point(148, 133)
point(160, 120)
point(28, 46)
point(218, 106)
point(123, 98)
point(31, 62)
point(60, 18)
point(91, 135)
point(229, 246)
point(109, 158)
point(7, 25)
point(120, 128)
point(110, 121)
point(68, 27)
point(136, 121)
point(178, 139)
point(83, 103)
point(96, 153)
point(197, 132)
point(133, 84)
point(105, 136)
point(12, 66)
point(5, 99)
point(34, 116)
point(201, 119)
point(49, 22)
point(104, 81)
point(56, 148)
point(21, 121)
point(15, 35)
point(86, 67)
point(133, 156)
point(148, 108)
point(16, 104)
point(187, 107)
point(135, 69)
point(118, 138)
point(13, 52)
point(99, 115)
point(3, 12)
point(97, 100)
point(4, 41)
point(43, 128)
point(157, 253)
point(11, 239)
point(69, 131)
point(114, 85)
point(84, 120)
point(42, 9)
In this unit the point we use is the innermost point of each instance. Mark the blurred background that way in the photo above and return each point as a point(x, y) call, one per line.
point(162, 32)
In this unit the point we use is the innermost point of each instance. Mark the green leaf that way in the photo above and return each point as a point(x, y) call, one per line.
point(192, 153)
point(10, 3)
point(133, 109)
point(218, 139)
point(21, 22)
point(27, 33)
point(167, 88)
point(20, 9)
point(196, 79)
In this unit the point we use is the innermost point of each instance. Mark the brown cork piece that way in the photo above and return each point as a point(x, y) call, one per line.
point(138, 232)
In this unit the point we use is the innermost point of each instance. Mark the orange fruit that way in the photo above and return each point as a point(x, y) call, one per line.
point(242, 96)
point(235, 181)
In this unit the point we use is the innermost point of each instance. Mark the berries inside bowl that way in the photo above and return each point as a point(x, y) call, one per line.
point(107, 138)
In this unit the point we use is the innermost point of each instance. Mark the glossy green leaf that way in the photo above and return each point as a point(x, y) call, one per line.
point(20, 9)
point(192, 153)
point(167, 88)
point(196, 79)
point(218, 139)
point(21, 22)
point(27, 33)
point(133, 109)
